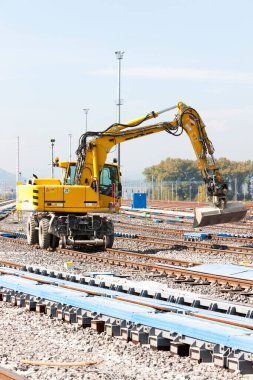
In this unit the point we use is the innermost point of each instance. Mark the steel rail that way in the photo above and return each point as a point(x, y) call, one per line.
point(11, 264)
point(182, 274)
point(219, 320)
point(9, 375)
point(197, 244)
point(118, 261)
point(183, 244)
point(145, 303)
point(177, 231)
point(172, 261)
point(99, 257)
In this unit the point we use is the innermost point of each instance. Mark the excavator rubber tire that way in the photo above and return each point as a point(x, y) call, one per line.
point(109, 237)
point(54, 241)
point(32, 232)
point(44, 235)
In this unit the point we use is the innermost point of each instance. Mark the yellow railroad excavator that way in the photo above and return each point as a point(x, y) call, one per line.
point(68, 212)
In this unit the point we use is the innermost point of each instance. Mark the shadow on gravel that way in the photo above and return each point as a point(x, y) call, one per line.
point(151, 251)
point(91, 249)
point(178, 247)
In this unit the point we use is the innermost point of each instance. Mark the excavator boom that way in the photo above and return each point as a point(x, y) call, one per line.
point(188, 120)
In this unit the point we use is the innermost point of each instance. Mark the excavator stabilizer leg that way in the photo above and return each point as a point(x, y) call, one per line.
point(209, 215)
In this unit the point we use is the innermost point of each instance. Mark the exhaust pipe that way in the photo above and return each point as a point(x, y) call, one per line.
point(207, 216)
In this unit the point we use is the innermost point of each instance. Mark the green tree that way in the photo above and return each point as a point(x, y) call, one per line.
point(238, 175)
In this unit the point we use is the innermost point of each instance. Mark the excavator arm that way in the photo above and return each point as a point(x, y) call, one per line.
point(95, 146)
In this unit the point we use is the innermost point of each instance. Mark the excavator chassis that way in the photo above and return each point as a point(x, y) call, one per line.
point(210, 215)
point(53, 230)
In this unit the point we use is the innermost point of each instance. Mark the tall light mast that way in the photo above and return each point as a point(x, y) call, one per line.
point(86, 110)
point(119, 54)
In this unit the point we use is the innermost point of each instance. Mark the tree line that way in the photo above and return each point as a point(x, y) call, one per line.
point(185, 176)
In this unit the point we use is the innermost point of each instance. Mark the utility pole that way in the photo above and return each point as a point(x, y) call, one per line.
point(52, 157)
point(152, 186)
point(119, 55)
point(86, 110)
point(192, 179)
point(18, 162)
point(235, 197)
point(70, 155)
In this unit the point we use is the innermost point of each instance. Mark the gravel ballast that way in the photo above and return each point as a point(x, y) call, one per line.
point(28, 335)
point(32, 336)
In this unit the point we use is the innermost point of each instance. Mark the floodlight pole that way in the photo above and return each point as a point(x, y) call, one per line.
point(119, 55)
point(52, 157)
point(18, 162)
point(86, 110)
point(70, 155)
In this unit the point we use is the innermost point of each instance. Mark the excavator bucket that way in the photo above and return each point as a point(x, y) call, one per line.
point(209, 215)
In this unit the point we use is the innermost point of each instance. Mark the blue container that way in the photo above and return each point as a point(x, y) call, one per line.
point(139, 200)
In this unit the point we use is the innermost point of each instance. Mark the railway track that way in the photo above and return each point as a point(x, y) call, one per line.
point(10, 264)
point(161, 324)
point(180, 232)
point(7, 202)
point(193, 246)
point(178, 274)
point(112, 259)
point(178, 270)
point(139, 297)
point(109, 283)
point(9, 375)
point(103, 256)
point(165, 260)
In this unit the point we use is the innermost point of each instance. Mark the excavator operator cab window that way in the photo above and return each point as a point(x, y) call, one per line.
point(108, 177)
point(70, 175)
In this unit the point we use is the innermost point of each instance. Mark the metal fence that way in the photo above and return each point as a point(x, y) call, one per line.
point(6, 191)
point(183, 190)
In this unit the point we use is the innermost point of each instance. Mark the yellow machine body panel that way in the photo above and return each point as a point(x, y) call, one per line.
point(63, 198)
point(30, 197)
point(79, 198)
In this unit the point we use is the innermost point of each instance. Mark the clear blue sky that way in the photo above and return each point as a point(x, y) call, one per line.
point(57, 57)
